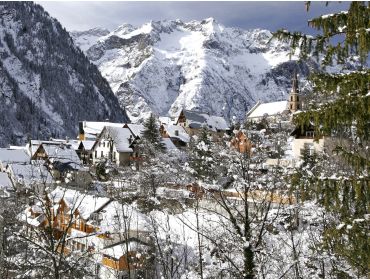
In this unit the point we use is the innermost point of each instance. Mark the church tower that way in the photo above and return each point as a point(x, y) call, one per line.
point(295, 102)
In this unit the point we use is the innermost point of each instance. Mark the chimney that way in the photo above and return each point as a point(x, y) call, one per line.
point(81, 131)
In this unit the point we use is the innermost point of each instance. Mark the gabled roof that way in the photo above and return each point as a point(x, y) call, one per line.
point(62, 156)
point(199, 119)
point(28, 174)
point(269, 109)
point(93, 129)
point(12, 156)
point(85, 204)
point(180, 134)
point(136, 129)
point(87, 145)
point(120, 137)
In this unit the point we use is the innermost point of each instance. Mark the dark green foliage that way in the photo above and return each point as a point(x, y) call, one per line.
point(201, 156)
point(342, 111)
point(151, 134)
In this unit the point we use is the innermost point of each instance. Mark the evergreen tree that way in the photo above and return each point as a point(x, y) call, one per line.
point(341, 111)
point(151, 135)
point(201, 156)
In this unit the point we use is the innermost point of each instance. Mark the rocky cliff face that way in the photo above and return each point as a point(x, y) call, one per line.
point(46, 83)
point(164, 66)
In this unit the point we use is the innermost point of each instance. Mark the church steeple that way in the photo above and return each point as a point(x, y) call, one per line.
point(294, 98)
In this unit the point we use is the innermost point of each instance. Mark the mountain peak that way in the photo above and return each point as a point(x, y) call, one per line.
point(163, 66)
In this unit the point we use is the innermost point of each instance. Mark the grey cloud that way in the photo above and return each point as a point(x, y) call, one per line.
point(269, 15)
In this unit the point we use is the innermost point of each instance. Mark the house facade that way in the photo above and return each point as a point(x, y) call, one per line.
point(114, 144)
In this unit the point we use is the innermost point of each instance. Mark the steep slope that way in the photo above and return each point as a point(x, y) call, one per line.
point(167, 65)
point(46, 83)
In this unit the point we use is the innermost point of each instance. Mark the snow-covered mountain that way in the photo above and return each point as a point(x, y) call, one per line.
point(168, 65)
point(46, 83)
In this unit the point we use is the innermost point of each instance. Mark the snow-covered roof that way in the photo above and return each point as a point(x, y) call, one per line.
point(28, 174)
point(93, 129)
point(177, 131)
point(136, 129)
point(62, 155)
point(12, 156)
point(114, 214)
point(88, 144)
point(75, 200)
point(269, 109)
point(199, 119)
point(169, 144)
point(120, 137)
point(165, 120)
point(119, 250)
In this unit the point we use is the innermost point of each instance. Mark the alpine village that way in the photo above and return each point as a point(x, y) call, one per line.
point(93, 184)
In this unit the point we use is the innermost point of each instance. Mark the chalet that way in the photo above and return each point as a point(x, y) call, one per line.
point(241, 143)
point(193, 121)
point(6, 186)
point(176, 133)
point(91, 130)
point(97, 222)
point(8, 156)
point(113, 143)
point(305, 140)
point(280, 110)
point(62, 157)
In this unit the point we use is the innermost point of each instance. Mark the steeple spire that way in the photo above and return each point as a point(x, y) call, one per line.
point(295, 82)
point(294, 99)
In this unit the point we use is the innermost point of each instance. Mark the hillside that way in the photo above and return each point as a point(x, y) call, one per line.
point(46, 83)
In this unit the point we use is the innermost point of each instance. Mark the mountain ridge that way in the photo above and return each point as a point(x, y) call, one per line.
point(47, 83)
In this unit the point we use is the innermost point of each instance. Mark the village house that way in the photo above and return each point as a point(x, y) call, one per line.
point(194, 121)
point(277, 111)
point(305, 140)
point(63, 163)
point(241, 143)
point(97, 222)
point(176, 133)
point(113, 143)
point(91, 130)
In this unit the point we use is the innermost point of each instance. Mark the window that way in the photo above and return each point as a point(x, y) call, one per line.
point(291, 98)
point(114, 155)
point(101, 154)
point(96, 154)
point(176, 132)
point(291, 106)
point(297, 98)
point(103, 144)
point(99, 144)
point(298, 107)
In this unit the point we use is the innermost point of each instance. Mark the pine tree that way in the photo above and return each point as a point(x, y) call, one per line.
point(341, 111)
point(201, 158)
point(151, 134)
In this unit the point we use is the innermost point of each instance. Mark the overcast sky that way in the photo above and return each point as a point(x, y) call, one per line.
point(268, 15)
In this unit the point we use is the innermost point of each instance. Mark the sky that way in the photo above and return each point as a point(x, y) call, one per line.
point(271, 15)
